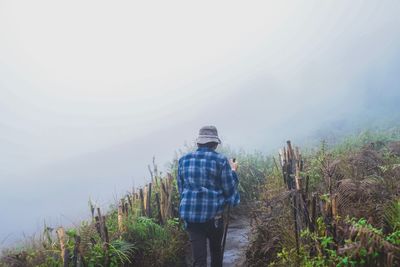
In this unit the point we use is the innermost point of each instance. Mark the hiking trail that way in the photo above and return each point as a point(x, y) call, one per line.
point(236, 241)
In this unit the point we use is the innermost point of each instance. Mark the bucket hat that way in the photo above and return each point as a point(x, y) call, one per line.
point(208, 134)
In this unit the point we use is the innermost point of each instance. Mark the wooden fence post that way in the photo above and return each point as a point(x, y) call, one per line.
point(130, 201)
point(145, 196)
point(305, 195)
point(64, 250)
point(120, 217)
point(101, 223)
point(141, 202)
point(292, 166)
point(313, 213)
point(92, 208)
point(299, 185)
point(126, 209)
point(106, 242)
point(148, 204)
point(160, 218)
point(76, 251)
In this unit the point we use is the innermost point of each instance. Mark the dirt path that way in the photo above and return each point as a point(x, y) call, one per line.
point(236, 242)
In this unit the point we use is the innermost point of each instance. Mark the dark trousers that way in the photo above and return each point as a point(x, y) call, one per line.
point(199, 233)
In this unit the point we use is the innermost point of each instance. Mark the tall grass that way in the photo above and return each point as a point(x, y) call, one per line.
point(144, 241)
point(363, 172)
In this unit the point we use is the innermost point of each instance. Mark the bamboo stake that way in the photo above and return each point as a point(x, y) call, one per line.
point(298, 169)
point(120, 218)
point(141, 201)
point(151, 173)
point(334, 206)
point(162, 199)
point(101, 223)
point(92, 208)
point(284, 165)
point(298, 179)
point(289, 165)
point(130, 201)
point(148, 204)
point(284, 155)
point(290, 149)
point(160, 218)
point(306, 191)
point(170, 179)
point(304, 208)
point(145, 197)
point(126, 210)
point(64, 250)
point(313, 212)
point(76, 251)
point(281, 159)
point(97, 225)
point(106, 243)
point(166, 196)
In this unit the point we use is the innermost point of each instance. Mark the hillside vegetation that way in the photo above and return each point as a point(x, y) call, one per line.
point(349, 214)
point(130, 233)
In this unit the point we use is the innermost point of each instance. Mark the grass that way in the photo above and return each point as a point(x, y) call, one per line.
point(141, 241)
point(146, 242)
point(363, 173)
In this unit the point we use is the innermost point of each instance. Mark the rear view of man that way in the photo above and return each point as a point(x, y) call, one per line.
point(207, 182)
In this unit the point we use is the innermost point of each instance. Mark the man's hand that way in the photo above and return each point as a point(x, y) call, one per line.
point(234, 164)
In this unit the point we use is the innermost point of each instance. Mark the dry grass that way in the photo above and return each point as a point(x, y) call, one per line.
point(357, 183)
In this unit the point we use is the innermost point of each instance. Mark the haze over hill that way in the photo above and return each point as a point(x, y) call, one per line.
point(89, 92)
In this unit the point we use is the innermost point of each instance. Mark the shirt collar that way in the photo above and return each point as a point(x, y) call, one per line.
point(204, 149)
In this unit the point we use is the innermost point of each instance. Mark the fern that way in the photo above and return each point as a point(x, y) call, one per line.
point(122, 250)
point(392, 215)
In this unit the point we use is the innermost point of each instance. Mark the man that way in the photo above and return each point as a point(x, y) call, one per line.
point(207, 182)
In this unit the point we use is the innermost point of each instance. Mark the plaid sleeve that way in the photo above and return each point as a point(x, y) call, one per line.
point(228, 181)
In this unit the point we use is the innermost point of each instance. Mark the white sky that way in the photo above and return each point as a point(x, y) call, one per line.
point(77, 77)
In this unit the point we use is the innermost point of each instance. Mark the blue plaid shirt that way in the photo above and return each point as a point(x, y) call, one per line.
point(206, 183)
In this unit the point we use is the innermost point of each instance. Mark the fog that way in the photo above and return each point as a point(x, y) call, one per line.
point(90, 91)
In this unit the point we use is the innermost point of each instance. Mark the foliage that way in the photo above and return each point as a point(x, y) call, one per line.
point(362, 172)
point(321, 250)
point(365, 137)
point(392, 215)
point(144, 243)
point(252, 172)
point(361, 176)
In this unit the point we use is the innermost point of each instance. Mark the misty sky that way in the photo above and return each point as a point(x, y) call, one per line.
point(91, 90)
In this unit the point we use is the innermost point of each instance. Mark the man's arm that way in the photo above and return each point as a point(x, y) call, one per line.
point(230, 182)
